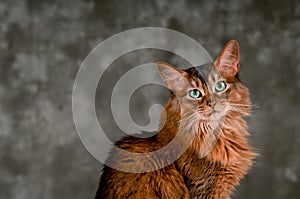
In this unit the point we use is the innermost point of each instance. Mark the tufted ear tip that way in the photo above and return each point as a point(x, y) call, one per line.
point(171, 75)
point(228, 61)
point(163, 67)
point(233, 46)
point(233, 42)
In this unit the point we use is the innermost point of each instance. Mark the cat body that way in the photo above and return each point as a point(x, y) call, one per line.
point(207, 104)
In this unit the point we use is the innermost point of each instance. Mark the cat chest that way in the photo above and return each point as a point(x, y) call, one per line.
point(202, 177)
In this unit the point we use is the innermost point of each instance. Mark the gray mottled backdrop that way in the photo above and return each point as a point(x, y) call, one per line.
point(42, 44)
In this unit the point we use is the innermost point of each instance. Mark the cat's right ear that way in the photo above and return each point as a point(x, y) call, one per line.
point(228, 61)
point(173, 77)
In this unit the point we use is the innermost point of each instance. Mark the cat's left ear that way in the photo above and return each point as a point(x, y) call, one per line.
point(228, 61)
point(172, 76)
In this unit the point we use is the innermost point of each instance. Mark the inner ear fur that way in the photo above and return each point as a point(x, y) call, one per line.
point(228, 61)
point(175, 78)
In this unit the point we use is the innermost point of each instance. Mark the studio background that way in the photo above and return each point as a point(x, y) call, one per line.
point(42, 44)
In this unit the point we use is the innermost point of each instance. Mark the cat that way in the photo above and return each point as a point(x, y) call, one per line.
point(207, 104)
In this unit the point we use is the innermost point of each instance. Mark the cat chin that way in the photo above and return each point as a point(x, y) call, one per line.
point(214, 117)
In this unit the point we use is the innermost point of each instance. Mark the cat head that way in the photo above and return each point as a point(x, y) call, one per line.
point(210, 92)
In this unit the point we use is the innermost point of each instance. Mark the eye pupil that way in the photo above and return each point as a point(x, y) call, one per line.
point(195, 93)
point(221, 86)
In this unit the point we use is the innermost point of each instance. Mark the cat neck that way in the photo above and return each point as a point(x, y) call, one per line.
point(226, 145)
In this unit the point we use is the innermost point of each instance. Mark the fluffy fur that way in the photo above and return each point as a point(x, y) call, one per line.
point(219, 155)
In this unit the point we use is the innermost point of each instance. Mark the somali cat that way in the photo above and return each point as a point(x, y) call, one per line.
point(207, 104)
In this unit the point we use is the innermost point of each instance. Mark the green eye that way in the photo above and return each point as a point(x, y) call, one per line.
point(195, 93)
point(221, 86)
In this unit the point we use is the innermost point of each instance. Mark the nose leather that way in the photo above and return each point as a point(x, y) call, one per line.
point(211, 103)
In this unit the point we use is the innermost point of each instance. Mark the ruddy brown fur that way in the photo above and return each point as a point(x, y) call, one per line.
point(219, 155)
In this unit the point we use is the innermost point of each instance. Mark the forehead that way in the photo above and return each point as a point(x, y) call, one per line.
point(206, 73)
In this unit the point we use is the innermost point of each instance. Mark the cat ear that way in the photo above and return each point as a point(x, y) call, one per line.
point(173, 77)
point(228, 61)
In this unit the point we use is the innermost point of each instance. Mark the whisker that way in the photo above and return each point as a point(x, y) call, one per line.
point(247, 105)
point(186, 117)
point(251, 107)
point(240, 102)
point(243, 112)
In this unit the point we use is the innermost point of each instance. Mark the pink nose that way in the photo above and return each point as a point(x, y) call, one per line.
point(211, 103)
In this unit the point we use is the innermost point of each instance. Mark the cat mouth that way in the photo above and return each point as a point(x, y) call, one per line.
point(213, 112)
point(213, 115)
